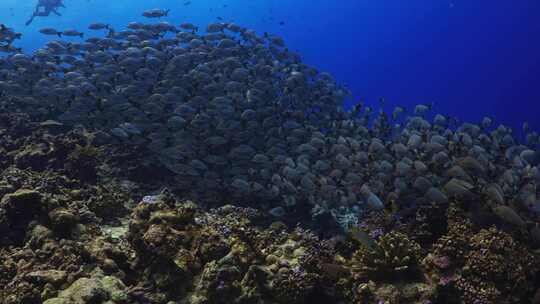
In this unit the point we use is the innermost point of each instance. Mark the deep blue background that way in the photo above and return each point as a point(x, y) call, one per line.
point(471, 58)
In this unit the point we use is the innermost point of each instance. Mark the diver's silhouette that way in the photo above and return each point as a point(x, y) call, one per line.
point(44, 8)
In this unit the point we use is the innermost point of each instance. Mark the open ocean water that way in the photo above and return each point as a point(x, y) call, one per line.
point(469, 58)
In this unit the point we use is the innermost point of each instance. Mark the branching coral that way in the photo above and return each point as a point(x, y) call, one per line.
point(394, 256)
point(487, 266)
point(497, 260)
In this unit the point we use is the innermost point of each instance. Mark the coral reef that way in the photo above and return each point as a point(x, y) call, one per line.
point(221, 257)
point(485, 266)
point(76, 236)
point(96, 289)
point(393, 256)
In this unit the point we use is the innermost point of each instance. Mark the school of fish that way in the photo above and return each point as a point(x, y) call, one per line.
point(237, 116)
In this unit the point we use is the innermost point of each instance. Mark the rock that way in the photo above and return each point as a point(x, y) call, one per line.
point(55, 277)
point(63, 220)
point(57, 301)
point(105, 290)
point(20, 202)
point(116, 232)
point(23, 196)
point(33, 156)
point(115, 288)
point(17, 210)
point(39, 234)
point(82, 291)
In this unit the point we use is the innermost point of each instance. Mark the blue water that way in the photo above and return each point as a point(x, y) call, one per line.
point(470, 58)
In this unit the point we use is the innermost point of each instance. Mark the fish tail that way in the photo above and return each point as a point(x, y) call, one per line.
point(110, 33)
point(59, 35)
point(167, 12)
point(82, 35)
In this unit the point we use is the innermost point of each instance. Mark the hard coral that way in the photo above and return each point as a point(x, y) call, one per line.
point(507, 267)
point(455, 243)
point(97, 289)
point(223, 257)
point(163, 236)
point(487, 266)
point(394, 256)
point(294, 285)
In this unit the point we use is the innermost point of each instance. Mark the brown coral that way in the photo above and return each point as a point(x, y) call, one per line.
point(394, 256)
point(497, 260)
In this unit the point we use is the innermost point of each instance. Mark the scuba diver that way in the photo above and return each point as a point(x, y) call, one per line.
point(44, 8)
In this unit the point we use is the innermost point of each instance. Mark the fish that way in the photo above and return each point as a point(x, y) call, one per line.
point(72, 33)
point(421, 109)
point(50, 31)
point(508, 215)
point(398, 110)
point(9, 49)
point(156, 13)
point(98, 26)
point(8, 35)
point(234, 115)
point(189, 26)
point(362, 238)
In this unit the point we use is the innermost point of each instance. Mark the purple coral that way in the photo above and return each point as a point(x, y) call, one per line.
point(441, 262)
point(445, 280)
point(376, 233)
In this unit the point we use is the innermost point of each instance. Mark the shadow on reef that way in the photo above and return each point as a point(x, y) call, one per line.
point(72, 238)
